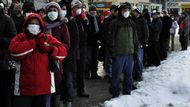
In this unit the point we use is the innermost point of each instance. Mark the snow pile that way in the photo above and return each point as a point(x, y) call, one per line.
point(165, 86)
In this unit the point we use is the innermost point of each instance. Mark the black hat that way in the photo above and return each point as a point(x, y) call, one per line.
point(114, 7)
point(125, 5)
point(28, 7)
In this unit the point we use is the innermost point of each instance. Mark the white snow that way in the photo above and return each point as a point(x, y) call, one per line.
point(165, 86)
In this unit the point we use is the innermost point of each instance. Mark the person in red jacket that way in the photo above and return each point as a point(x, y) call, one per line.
point(31, 50)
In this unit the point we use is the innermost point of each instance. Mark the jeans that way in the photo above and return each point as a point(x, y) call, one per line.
point(138, 64)
point(108, 63)
point(122, 64)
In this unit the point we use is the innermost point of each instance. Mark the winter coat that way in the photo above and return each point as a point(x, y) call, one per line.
point(184, 25)
point(93, 36)
point(60, 31)
point(18, 22)
point(166, 25)
point(174, 27)
point(123, 37)
point(7, 31)
point(155, 29)
point(142, 29)
point(33, 73)
point(82, 26)
point(106, 24)
point(74, 37)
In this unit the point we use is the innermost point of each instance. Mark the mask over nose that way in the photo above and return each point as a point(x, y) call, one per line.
point(93, 13)
point(53, 15)
point(78, 11)
point(34, 29)
point(126, 14)
point(63, 13)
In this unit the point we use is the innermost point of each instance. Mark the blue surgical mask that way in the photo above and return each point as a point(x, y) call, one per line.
point(34, 29)
point(63, 13)
point(53, 15)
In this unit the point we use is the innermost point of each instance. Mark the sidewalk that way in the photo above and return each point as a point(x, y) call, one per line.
point(98, 89)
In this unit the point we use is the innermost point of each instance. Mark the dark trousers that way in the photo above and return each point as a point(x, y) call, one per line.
point(172, 41)
point(32, 101)
point(153, 53)
point(184, 41)
point(122, 64)
point(6, 88)
point(92, 60)
point(81, 68)
point(69, 70)
point(164, 47)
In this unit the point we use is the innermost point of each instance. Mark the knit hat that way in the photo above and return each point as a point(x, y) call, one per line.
point(136, 9)
point(106, 13)
point(53, 4)
point(28, 7)
point(17, 7)
point(75, 3)
point(155, 11)
point(92, 8)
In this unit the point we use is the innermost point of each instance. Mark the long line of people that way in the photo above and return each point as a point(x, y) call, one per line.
point(125, 39)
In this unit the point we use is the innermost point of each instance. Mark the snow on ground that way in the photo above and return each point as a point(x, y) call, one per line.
point(165, 86)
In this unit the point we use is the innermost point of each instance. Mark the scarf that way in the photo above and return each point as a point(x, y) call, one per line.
point(50, 26)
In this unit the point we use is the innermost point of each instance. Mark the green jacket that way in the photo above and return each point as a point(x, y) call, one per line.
point(123, 39)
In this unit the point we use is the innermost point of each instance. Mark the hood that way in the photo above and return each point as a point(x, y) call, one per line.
point(34, 16)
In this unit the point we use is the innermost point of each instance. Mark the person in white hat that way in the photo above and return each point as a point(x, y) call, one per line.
point(82, 23)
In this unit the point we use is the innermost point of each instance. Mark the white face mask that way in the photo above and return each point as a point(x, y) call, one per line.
point(27, 14)
point(53, 15)
point(34, 29)
point(63, 13)
point(106, 16)
point(126, 14)
point(78, 11)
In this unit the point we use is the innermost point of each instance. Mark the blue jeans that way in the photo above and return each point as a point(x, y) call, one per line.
point(108, 63)
point(122, 64)
point(138, 65)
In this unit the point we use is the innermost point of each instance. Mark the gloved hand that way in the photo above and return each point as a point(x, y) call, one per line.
point(42, 45)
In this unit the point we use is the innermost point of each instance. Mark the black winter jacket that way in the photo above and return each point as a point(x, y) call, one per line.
point(7, 31)
point(155, 29)
point(167, 24)
point(142, 29)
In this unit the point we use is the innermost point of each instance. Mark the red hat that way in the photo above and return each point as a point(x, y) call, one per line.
point(106, 13)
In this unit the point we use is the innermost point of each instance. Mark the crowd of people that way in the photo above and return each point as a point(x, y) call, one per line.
point(47, 54)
